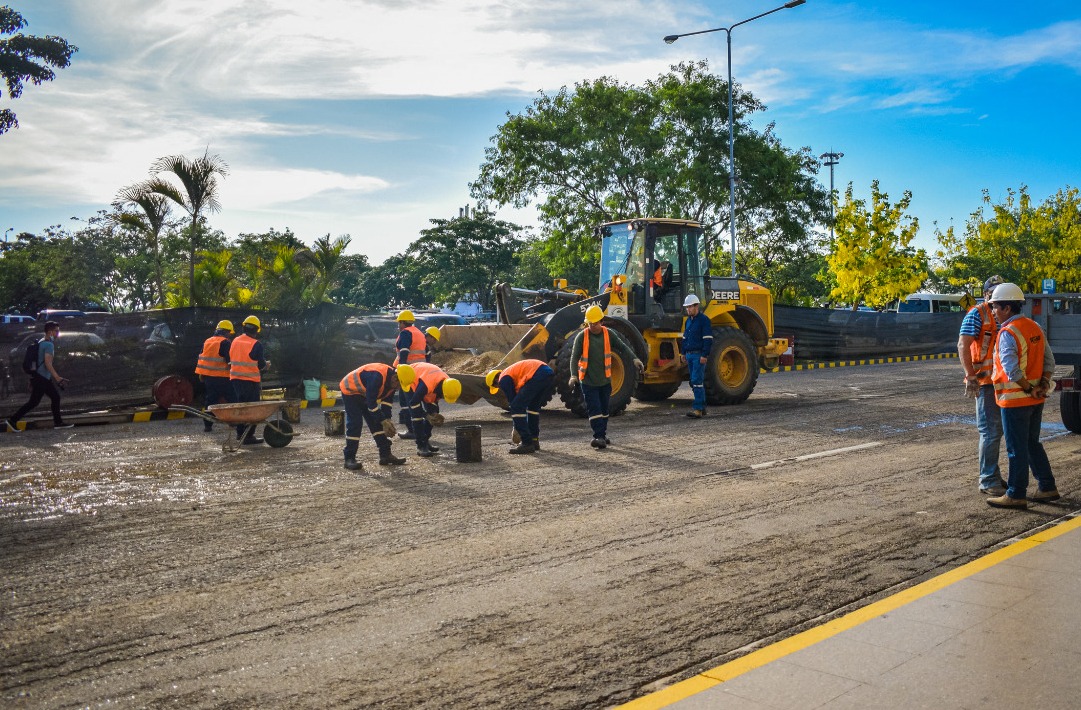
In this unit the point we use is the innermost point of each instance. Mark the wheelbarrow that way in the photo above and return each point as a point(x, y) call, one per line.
point(277, 432)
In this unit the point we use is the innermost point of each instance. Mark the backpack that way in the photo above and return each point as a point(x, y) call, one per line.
point(30, 359)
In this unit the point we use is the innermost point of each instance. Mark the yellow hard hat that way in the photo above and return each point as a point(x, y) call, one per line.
point(252, 320)
point(406, 377)
point(452, 390)
point(490, 380)
point(432, 331)
point(406, 315)
point(594, 314)
point(225, 325)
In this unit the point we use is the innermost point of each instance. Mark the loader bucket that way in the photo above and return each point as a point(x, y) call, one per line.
point(468, 352)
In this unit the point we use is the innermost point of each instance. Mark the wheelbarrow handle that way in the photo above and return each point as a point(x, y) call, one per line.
point(197, 412)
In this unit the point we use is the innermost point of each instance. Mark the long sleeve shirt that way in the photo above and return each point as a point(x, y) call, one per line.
point(1011, 363)
point(698, 335)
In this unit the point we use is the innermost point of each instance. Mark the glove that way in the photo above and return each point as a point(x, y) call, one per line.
point(436, 419)
point(515, 437)
point(573, 381)
point(972, 387)
point(389, 429)
point(639, 366)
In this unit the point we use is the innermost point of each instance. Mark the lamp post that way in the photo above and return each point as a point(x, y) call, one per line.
point(831, 159)
point(731, 123)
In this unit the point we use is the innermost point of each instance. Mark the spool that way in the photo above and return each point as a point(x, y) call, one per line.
point(467, 443)
point(334, 422)
point(291, 411)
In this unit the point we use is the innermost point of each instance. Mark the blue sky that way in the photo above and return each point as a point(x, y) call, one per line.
point(369, 117)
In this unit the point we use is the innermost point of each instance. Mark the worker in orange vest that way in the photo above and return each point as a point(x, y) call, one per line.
point(367, 392)
point(594, 373)
point(527, 385)
point(976, 350)
point(213, 369)
point(431, 384)
point(412, 347)
point(247, 362)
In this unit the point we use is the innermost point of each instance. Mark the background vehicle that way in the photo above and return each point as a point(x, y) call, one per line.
point(16, 320)
point(1059, 314)
point(936, 303)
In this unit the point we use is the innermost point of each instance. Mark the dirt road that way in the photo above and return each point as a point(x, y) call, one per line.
point(144, 567)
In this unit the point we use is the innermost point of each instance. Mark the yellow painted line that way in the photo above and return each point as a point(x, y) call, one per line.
point(756, 659)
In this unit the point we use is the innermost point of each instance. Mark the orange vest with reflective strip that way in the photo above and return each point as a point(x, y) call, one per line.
point(521, 372)
point(211, 363)
point(432, 376)
point(241, 366)
point(982, 348)
point(418, 346)
point(658, 277)
point(351, 383)
point(583, 362)
point(1030, 343)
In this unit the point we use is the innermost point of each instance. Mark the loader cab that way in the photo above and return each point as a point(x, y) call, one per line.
point(663, 260)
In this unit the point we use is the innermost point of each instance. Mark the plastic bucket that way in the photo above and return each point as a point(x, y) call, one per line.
point(311, 389)
point(291, 411)
point(467, 443)
point(334, 422)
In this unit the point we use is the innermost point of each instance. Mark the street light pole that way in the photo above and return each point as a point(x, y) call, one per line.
point(731, 123)
point(831, 159)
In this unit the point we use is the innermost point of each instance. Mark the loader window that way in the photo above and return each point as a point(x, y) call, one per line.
point(615, 250)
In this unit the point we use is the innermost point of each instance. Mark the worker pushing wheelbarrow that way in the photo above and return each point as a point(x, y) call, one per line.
point(277, 432)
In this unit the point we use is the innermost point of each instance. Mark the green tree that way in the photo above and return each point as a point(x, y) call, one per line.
point(155, 215)
point(351, 270)
point(871, 259)
point(27, 58)
point(395, 283)
point(198, 194)
point(607, 151)
point(326, 259)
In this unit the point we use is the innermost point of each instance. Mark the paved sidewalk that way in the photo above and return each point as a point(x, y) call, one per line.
point(1000, 632)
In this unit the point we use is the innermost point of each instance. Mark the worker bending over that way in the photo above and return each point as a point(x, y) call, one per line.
point(431, 384)
point(527, 385)
point(368, 392)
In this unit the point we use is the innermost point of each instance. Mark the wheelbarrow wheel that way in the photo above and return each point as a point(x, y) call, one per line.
point(278, 433)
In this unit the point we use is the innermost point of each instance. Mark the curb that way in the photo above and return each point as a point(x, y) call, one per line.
point(854, 363)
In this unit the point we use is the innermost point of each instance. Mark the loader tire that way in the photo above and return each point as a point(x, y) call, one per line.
point(1070, 406)
point(732, 368)
point(623, 383)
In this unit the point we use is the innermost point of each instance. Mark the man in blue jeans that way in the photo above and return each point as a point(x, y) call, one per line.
point(43, 381)
point(697, 341)
point(976, 350)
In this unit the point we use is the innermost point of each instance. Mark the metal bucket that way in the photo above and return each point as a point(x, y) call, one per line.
point(467, 443)
point(334, 422)
point(291, 411)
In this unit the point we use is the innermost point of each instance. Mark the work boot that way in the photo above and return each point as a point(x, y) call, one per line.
point(1005, 501)
point(607, 441)
point(207, 427)
point(994, 491)
point(536, 444)
point(598, 444)
point(1045, 496)
point(354, 465)
point(425, 452)
point(406, 435)
point(389, 459)
point(524, 448)
point(695, 414)
point(432, 447)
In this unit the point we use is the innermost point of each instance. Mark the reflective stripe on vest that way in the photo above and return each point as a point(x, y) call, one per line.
point(211, 363)
point(583, 362)
point(432, 377)
point(351, 383)
point(982, 348)
point(418, 346)
point(521, 372)
point(241, 366)
point(1029, 338)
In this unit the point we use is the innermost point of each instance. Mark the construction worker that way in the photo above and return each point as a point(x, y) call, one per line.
point(594, 375)
point(527, 385)
point(697, 341)
point(1023, 368)
point(431, 383)
point(431, 340)
point(213, 369)
point(976, 350)
point(367, 392)
point(411, 347)
point(246, 363)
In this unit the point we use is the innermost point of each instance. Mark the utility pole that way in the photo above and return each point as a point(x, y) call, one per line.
point(831, 159)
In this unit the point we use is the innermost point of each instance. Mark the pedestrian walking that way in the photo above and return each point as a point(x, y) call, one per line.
point(527, 385)
point(247, 362)
point(430, 384)
point(697, 341)
point(976, 350)
point(368, 392)
point(1022, 372)
point(213, 369)
point(44, 381)
point(411, 347)
point(594, 374)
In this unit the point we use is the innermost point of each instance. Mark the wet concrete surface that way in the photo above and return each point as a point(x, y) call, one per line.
point(143, 566)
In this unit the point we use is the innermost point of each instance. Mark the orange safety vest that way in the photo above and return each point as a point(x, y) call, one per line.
point(982, 347)
point(583, 362)
point(241, 366)
point(211, 363)
point(658, 277)
point(521, 372)
point(351, 383)
point(1030, 344)
point(418, 346)
point(432, 376)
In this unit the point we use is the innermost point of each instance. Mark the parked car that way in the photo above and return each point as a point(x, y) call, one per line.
point(425, 320)
point(75, 350)
point(371, 338)
point(16, 319)
point(58, 315)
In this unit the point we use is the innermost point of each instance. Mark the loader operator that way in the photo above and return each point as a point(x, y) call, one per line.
point(697, 341)
point(976, 350)
point(412, 347)
point(246, 362)
point(213, 369)
point(527, 385)
point(431, 384)
point(368, 392)
point(594, 374)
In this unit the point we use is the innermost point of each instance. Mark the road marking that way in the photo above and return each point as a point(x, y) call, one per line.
point(792, 459)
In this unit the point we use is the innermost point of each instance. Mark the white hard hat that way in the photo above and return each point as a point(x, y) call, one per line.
point(1007, 293)
point(691, 300)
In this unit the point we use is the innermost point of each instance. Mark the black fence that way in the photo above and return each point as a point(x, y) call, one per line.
point(833, 334)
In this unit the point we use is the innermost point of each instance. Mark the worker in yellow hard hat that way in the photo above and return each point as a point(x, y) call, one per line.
point(247, 362)
point(213, 369)
point(431, 384)
point(367, 393)
point(527, 385)
point(412, 347)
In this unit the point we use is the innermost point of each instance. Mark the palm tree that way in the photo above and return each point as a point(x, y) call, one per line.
point(199, 180)
point(325, 257)
point(155, 209)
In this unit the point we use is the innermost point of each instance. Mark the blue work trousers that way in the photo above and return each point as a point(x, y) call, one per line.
point(526, 406)
point(1021, 429)
point(356, 414)
point(217, 390)
point(989, 425)
point(246, 391)
point(597, 399)
point(698, 377)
